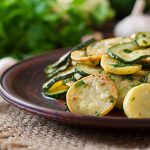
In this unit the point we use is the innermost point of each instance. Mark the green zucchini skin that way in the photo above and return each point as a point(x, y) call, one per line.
point(120, 48)
point(85, 70)
point(60, 62)
point(145, 65)
point(143, 39)
point(54, 71)
point(48, 84)
point(51, 71)
point(59, 94)
point(65, 60)
point(82, 73)
point(71, 75)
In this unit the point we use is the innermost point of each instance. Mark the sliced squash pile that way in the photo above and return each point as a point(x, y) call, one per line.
point(96, 76)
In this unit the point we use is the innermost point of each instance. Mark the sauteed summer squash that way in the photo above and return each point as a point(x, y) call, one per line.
point(96, 76)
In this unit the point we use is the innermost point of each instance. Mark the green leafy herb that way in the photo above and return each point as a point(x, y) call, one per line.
point(130, 77)
point(119, 64)
point(28, 27)
point(143, 80)
point(112, 77)
point(65, 81)
point(127, 50)
point(145, 42)
point(97, 114)
point(79, 83)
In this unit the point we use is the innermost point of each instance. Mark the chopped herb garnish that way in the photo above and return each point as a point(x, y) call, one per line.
point(119, 64)
point(130, 77)
point(144, 35)
point(127, 50)
point(140, 114)
point(143, 80)
point(79, 83)
point(100, 71)
point(65, 81)
point(72, 78)
point(133, 98)
point(97, 114)
point(112, 77)
point(132, 85)
point(145, 42)
point(111, 101)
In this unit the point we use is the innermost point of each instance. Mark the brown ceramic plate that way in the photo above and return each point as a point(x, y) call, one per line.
point(21, 85)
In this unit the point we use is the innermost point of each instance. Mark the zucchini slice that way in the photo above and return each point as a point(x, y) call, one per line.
point(92, 95)
point(143, 39)
point(137, 102)
point(66, 56)
point(69, 70)
point(128, 53)
point(57, 90)
point(64, 61)
point(101, 48)
point(50, 71)
point(80, 56)
point(85, 70)
point(58, 82)
point(114, 66)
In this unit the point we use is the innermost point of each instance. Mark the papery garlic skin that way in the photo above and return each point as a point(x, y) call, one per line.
point(137, 21)
point(133, 24)
point(5, 63)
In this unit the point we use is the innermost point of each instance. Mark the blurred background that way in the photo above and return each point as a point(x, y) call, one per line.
point(31, 27)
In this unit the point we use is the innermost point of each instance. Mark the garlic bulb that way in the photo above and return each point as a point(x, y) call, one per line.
point(135, 22)
point(5, 63)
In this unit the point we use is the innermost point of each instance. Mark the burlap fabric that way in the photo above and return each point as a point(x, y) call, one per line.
point(20, 130)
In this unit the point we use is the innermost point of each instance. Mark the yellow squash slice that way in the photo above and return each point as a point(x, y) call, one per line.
point(92, 95)
point(124, 83)
point(114, 66)
point(137, 102)
point(80, 56)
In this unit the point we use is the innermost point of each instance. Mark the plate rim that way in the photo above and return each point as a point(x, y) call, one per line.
point(59, 115)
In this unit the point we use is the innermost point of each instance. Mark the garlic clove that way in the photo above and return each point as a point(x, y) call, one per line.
point(5, 63)
point(133, 24)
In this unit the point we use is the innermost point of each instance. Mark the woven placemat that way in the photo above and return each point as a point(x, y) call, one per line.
point(20, 130)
